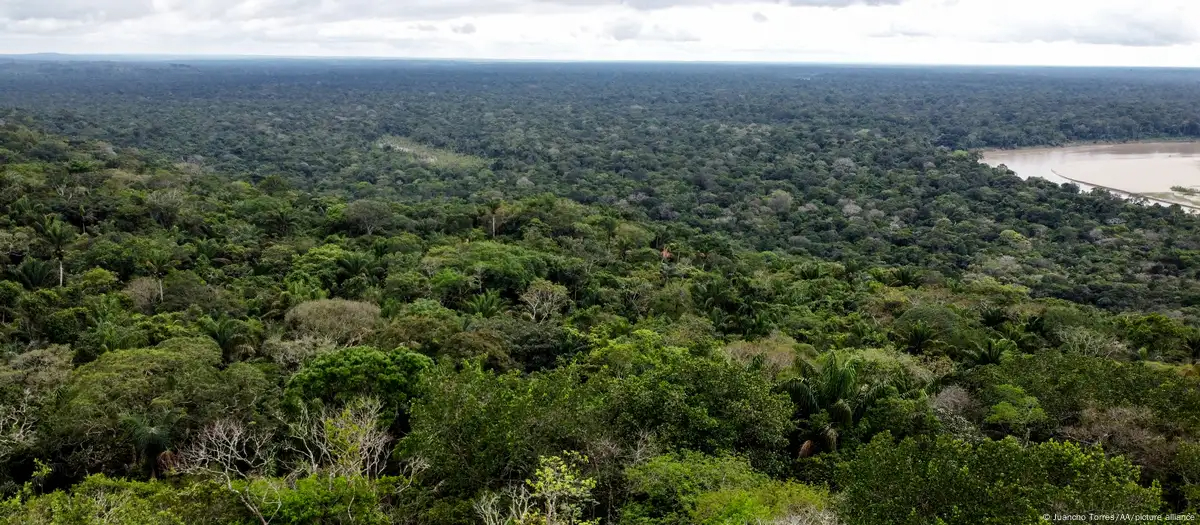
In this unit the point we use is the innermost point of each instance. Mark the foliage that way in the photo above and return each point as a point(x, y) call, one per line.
point(464, 424)
point(1016, 411)
point(762, 504)
point(339, 377)
point(695, 403)
point(942, 480)
point(99, 499)
point(147, 400)
point(696, 488)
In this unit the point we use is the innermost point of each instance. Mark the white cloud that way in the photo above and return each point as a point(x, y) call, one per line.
point(1100, 22)
point(630, 29)
point(625, 29)
point(1083, 32)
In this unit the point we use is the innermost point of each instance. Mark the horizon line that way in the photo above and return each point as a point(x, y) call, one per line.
point(160, 57)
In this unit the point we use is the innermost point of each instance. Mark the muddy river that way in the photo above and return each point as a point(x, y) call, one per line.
point(1147, 169)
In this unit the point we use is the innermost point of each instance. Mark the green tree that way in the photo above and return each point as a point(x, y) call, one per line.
point(562, 490)
point(991, 352)
point(831, 398)
point(34, 274)
point(150, 397)
point(706, 404)
point(101, 499)
point(57, 235)
point(367, 215)
point(339, 377)
point(229, 334)
point(466, 423)
point(690, 487)
point(941, 480)
point(665, 489)
point(487, 304)
point(1186, 465)
point(1016, 411)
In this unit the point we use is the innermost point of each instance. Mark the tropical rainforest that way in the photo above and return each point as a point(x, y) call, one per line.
point(272, 292)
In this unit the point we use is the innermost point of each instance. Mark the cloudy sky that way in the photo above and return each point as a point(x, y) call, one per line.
point(1040, 32)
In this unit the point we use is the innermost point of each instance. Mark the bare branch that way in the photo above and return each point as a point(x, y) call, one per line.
point(229, 452)
point(344, 442)
point(17, 425)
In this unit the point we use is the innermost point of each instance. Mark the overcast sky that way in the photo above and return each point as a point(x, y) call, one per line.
point(1041, 32)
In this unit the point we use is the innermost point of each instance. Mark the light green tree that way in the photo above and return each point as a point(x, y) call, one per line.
point(557, 495)
point(1017, 411)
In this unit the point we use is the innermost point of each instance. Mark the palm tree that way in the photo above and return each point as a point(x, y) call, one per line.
point(85, 215)
point(721, 319)
point(58, 235)
point(1016, 332)
point(281, 221)
point(34, 273)
point(300, 290)
point(228, 333)
point(486, 305)
point(833, 388)
point(159, 262)
point(989, 353)
point(713, 294)
point(907, 276)
point(919, 337)
point(810, 272)
point(23, 209)
point(357, 264)
point(151, 434)
point(207, 248)
point(851, 269)
point(1192, 345)
point(112, 336)
point(756, 318)
point(993, 316)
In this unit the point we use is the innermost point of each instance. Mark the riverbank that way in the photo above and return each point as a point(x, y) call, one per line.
point(1085, 143)
point(1146, 171)
point(1190, 208)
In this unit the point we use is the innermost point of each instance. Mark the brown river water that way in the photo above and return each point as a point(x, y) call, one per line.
point(1148, 169)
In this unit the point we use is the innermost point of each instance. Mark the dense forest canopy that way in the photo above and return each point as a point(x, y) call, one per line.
point(257, 291)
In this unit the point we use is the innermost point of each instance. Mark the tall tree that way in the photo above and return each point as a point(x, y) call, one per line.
point(58, 235)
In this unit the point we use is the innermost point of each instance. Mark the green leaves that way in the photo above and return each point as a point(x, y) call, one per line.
point(487, 304)
point(339, 377)
point(56, 234)
point(34, 273)
point(690, 488)
point(698, 403)
point(562, 489)
point(125, 502)
point(940, 480)
point(834, 394)
point(228, 333)
point(473, 426)
point(1067, 384)
point(159, 394)
point(1016, 411)
point(991, 352)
